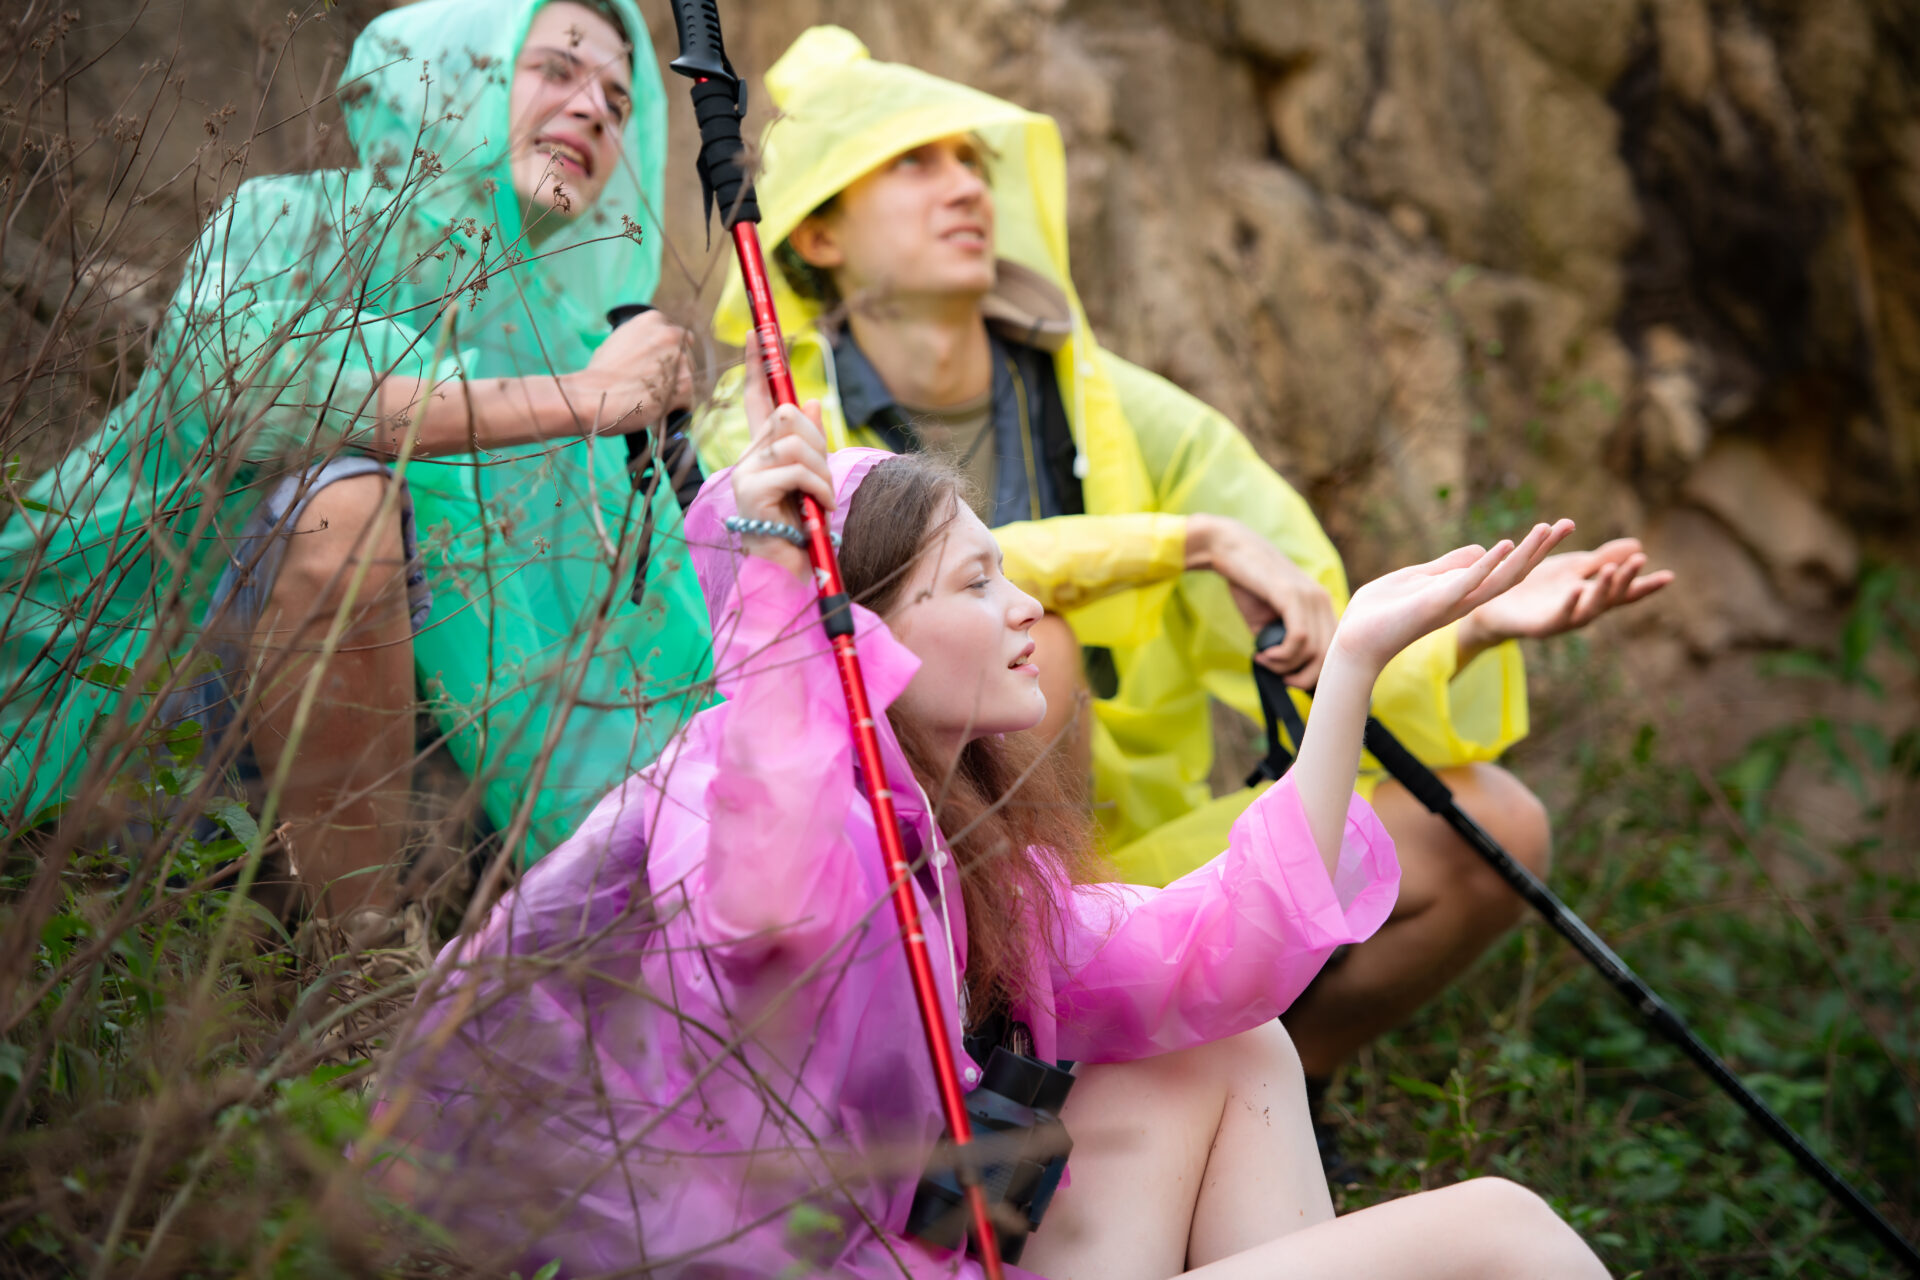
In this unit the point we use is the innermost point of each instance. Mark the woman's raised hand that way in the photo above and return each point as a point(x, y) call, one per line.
point(1567, 591)
point(1391, 612)
point(788, 457)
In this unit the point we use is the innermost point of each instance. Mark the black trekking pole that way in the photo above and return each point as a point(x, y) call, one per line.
point(1277, 709)
point(651, 450)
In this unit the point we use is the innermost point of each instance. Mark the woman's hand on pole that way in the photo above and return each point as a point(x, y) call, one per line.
point(637, 376)
point(1564, 593)
point(1384, 617)
point(788, 457)
point(1267, 585)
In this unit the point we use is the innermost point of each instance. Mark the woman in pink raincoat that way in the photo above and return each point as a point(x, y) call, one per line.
point(686, 1045)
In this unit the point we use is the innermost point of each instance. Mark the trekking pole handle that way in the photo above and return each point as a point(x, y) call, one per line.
point(644, 451)
point(703, 55)
point(719, 107)
point(1276, 708)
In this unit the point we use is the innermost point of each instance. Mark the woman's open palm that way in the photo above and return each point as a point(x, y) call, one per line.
point(1391, 612)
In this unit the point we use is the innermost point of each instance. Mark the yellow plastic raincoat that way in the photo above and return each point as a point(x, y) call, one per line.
point(1150, 454)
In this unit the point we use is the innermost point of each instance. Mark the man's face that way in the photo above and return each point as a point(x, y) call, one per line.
point(921, 224)
point(572, 94)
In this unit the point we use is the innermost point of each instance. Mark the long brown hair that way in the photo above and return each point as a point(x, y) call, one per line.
point(1011, 808)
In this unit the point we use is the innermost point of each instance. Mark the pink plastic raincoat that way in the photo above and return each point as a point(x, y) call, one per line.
point(687, 1043)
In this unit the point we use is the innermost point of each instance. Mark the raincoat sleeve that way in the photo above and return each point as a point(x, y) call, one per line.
point(1069, 561)
point(1225, 947)
point(1199, 462)
point(272, 331)
point(1064, 562)
point(781, 872)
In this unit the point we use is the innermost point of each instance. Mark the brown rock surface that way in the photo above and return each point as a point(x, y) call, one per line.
point(1810, 555)
point(1727, 599)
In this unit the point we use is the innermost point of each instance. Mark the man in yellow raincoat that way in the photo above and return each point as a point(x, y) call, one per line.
point(920, 231)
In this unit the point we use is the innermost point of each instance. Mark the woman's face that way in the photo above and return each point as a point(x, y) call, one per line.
point(971, 629)
point(572, 94)
point(921, 224)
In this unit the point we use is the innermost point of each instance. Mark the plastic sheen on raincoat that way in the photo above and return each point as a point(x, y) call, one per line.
point(1150, 454)
point(300, 295)
point(728, 1077)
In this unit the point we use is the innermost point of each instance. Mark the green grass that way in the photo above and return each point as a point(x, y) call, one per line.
point(164, 1108)
point(1796, 959)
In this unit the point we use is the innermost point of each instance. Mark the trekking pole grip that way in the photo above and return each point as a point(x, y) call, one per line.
point(719, 107)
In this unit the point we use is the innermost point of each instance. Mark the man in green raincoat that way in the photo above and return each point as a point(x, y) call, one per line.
point(376, 450)
point(920, 231)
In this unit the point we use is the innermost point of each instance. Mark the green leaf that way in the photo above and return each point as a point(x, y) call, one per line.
point(13, 1062)
point(1838, 761)
point(108, 674)
point(1419, 1088)
point(182, 741)
point(172, 675)
point(265, 920)
point(233, 815)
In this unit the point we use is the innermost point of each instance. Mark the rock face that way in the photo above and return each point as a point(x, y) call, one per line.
point(1450, 263)
point(1651, 263)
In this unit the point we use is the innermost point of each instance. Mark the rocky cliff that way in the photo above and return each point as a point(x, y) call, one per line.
point(1455, 263)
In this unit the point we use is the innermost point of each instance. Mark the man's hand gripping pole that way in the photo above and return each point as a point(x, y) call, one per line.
point(719, 103)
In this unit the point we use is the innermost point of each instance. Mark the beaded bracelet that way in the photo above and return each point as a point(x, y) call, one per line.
point(771, 529)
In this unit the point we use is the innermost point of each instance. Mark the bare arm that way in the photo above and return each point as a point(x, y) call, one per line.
point(637, 375)
point(1384, 617)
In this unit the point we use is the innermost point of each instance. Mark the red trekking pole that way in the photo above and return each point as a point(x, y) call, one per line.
point(719, 102)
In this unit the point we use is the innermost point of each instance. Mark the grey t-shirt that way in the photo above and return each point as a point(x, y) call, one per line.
point(963, 435)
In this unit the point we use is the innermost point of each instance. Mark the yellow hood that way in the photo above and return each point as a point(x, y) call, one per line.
point(842, 114)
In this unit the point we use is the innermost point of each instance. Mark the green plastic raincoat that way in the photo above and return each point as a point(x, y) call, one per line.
point(1149, 455)
point(301, 294)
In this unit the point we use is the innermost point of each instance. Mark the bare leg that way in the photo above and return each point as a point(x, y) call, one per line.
point(1064, 682)
point(345, 794)
point(1486, 1229)
point(1198, 1155)
point(1452, 906)
point(1206, 1159)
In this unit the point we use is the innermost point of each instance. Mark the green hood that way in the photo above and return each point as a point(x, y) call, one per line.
point(436, 76)
point(301, 295)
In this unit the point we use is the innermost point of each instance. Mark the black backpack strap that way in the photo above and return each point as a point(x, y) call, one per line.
point(1058, 453)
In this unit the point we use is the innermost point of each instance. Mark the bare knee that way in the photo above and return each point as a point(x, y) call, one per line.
point(1515, 817)
point(1518, 822)
point(343, 526)
point(1263, 1058)
point(1057, 653)
point(1064, 684)
point(1521, 1233)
